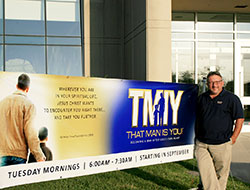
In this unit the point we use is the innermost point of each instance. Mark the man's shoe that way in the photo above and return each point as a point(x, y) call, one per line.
point(199, 187)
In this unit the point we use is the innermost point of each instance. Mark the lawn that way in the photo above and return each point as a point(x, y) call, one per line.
point(181, 175)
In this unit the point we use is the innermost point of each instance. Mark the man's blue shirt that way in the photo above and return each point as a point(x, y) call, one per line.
point(215, 117)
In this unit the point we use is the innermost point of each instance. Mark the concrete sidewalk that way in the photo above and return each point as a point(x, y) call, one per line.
point(240, 167)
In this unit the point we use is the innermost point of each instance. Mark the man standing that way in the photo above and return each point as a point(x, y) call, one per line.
point(217, 112)
point(16, 125)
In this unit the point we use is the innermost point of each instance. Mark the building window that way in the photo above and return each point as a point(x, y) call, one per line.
point(1, 18)
point(64, 60)
point(216, 56)
point(203, 42)
point(183, 21)
point(1, 35)
point(183, 62)
point(63, 18)
point(243, 26)
point(1, 58)
point(215, 22)
point(64, 37)
point(24, 17)
point(33, 33)
point(25, 58)
point(183, 47)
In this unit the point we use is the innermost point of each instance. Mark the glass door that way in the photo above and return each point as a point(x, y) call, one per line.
point(242, 76)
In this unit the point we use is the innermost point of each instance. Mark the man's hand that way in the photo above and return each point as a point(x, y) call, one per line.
point(41, 160)
point(237, 129)
point(233, 139)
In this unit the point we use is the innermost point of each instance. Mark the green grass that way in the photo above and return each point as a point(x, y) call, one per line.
point(178, 175)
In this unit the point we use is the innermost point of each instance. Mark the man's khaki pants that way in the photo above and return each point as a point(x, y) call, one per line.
point(214, 164)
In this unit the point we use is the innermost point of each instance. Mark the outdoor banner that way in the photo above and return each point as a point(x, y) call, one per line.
point(97, 125)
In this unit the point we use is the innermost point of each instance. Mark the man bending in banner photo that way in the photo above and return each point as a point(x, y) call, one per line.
point(217, 112)
point(18, 135)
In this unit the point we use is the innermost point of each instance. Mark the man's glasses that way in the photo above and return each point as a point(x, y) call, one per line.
point(214, 82)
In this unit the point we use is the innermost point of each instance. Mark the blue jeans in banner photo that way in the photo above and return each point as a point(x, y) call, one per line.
point(11, 160)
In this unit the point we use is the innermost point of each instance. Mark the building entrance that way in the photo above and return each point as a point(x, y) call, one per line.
point(242, 77)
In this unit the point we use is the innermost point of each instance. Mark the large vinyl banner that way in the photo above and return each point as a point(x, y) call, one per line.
point(98, 125)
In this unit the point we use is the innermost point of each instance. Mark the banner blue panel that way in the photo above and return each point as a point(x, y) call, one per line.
point(153, 115)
